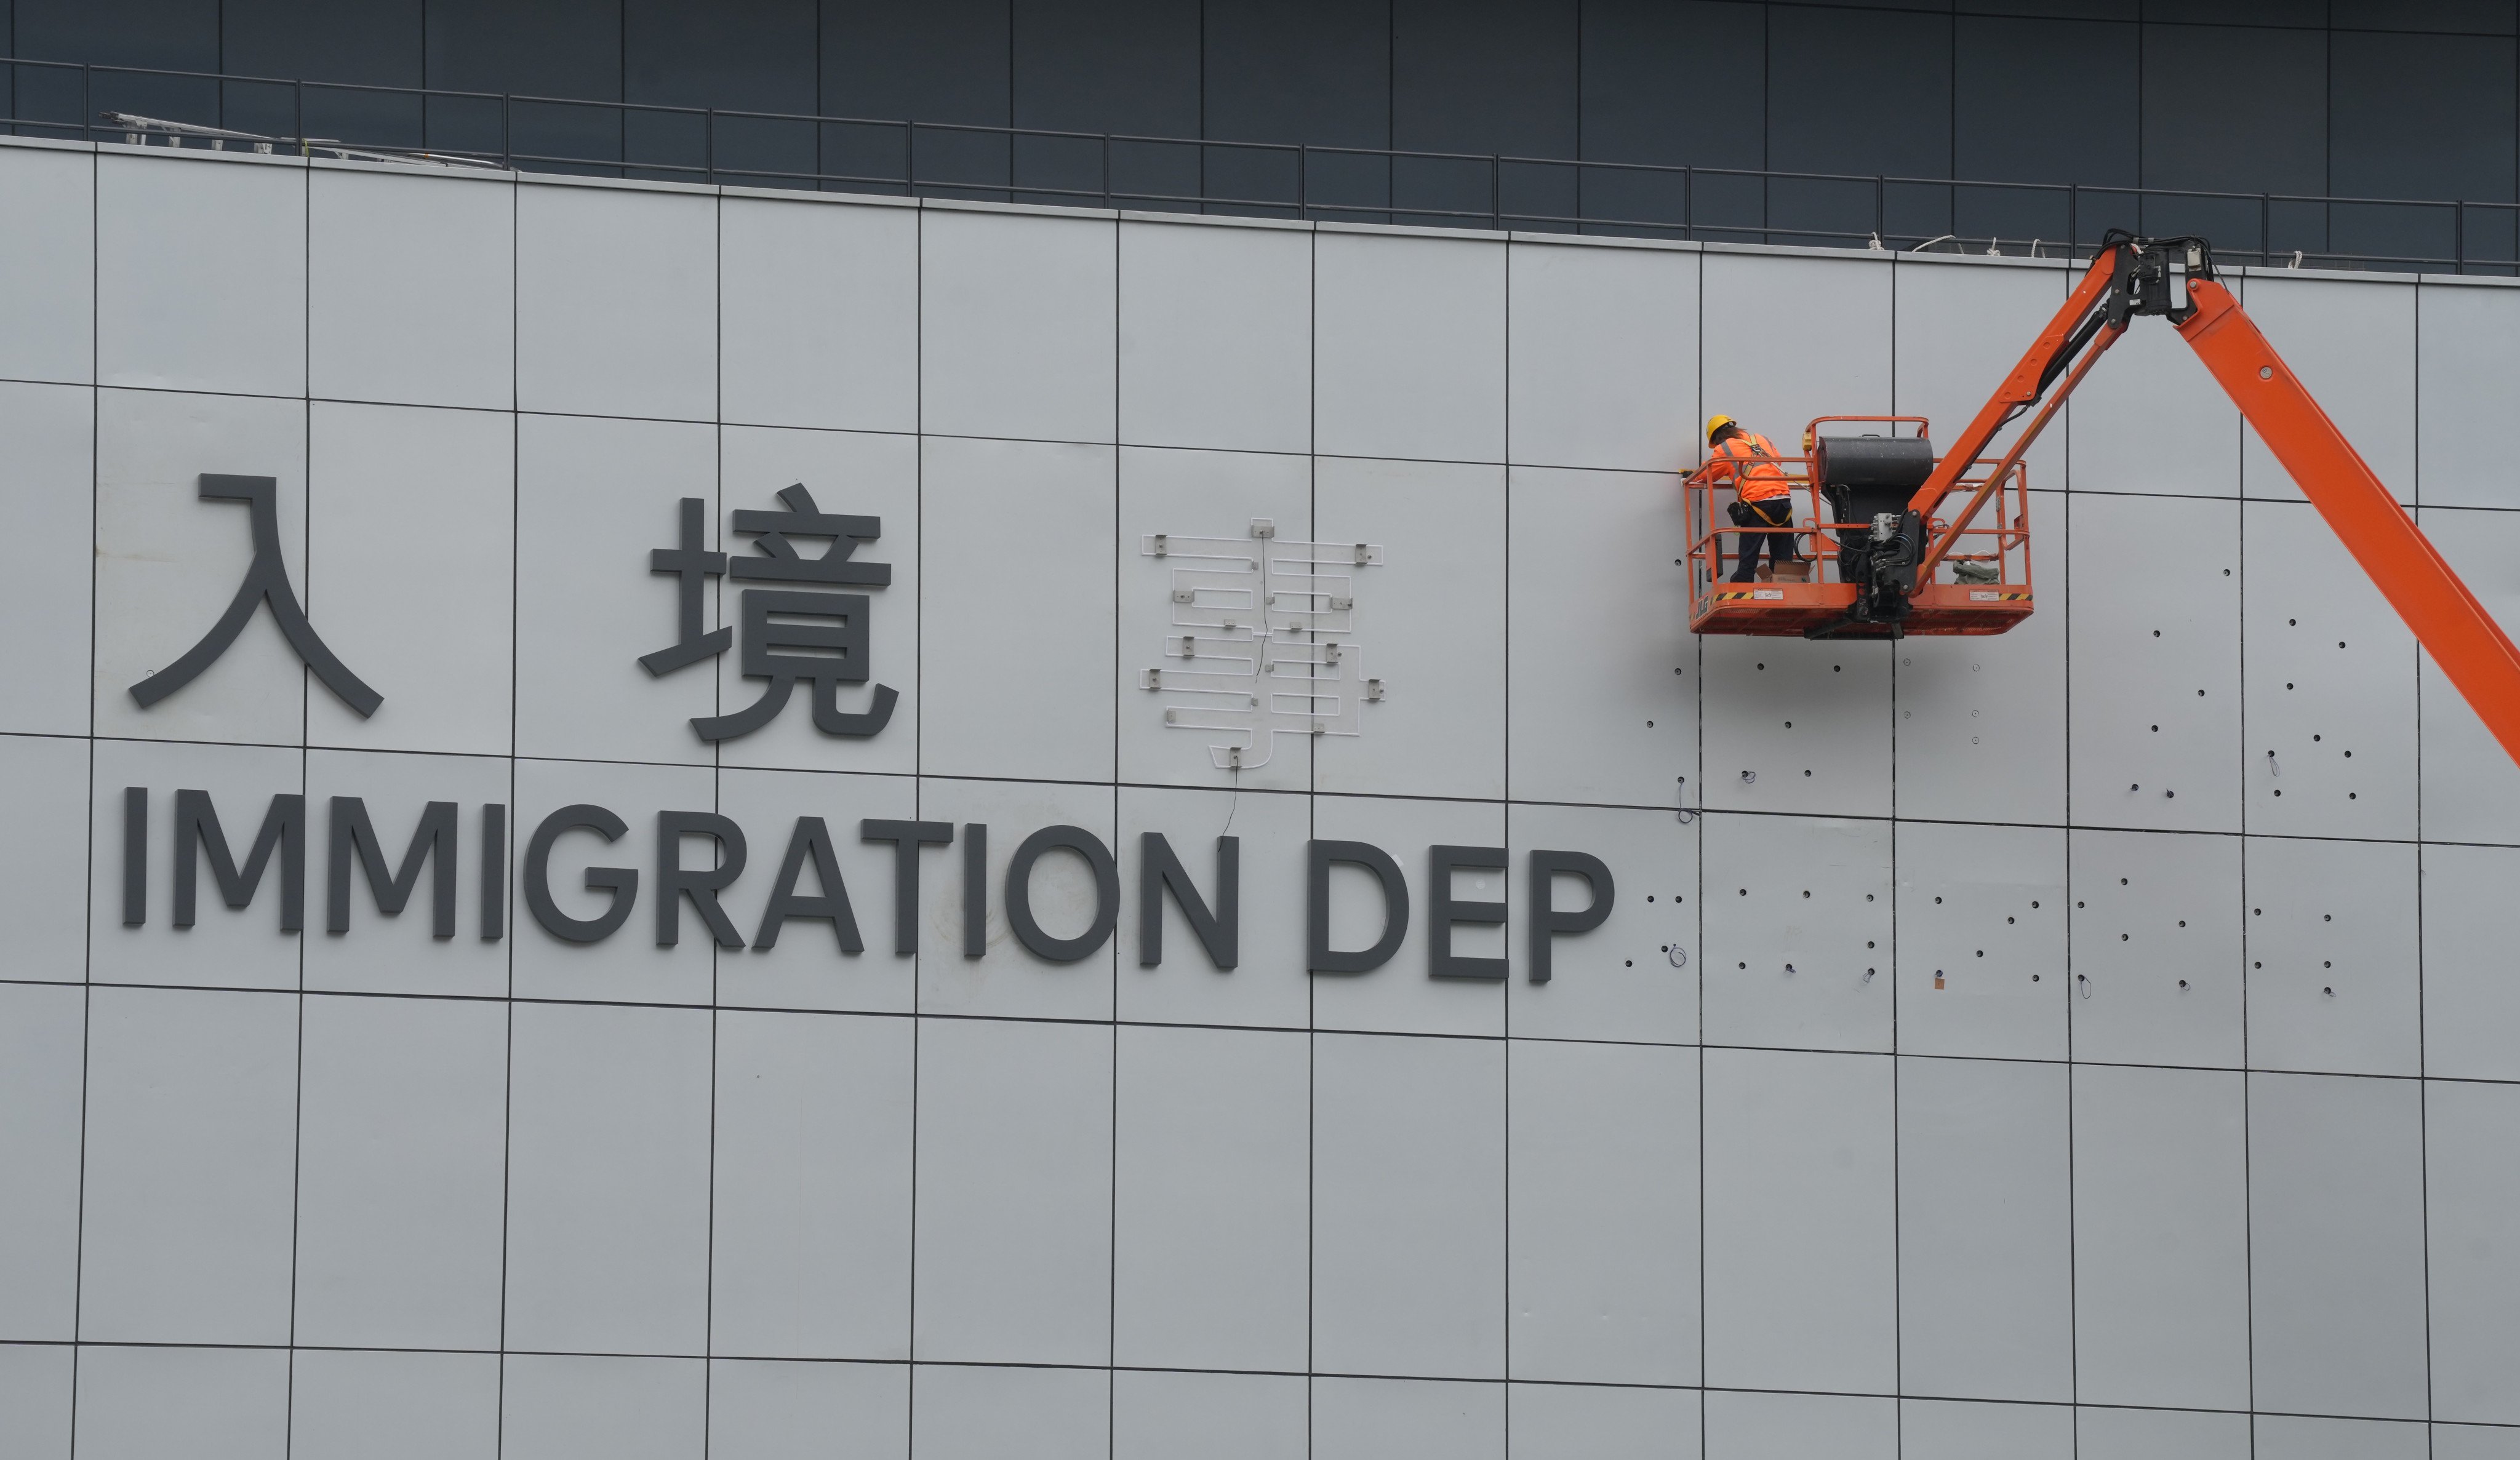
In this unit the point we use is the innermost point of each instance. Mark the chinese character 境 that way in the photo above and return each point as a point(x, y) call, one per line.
point(791, 634)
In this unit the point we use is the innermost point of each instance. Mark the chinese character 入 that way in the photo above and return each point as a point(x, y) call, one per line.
point(266, 579)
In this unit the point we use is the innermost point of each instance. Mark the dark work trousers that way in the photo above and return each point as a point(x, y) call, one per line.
point(1776, 511)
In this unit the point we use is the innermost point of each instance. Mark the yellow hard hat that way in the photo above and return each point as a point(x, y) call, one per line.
point(1717, 422)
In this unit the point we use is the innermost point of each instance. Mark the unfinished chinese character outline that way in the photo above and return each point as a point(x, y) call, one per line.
point(1264, 633)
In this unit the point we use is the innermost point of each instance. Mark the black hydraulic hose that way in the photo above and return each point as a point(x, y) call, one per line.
point(2072, 349)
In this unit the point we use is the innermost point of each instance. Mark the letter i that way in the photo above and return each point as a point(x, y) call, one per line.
point(975, 889)
point(135, 856)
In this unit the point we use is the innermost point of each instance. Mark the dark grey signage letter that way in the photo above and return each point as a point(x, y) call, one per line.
point(675, 881)
point(811, 839)
point(907, 837)
point(135, 856)
point(1106, 893)
point(1318, 956)
point(622, 881)
point(975, 889)
point(1547, 919)
point(494, 873)
point(197, 835)
point(351, 835)
point(1441, 913)
point(1159, 871)
point(266, 579)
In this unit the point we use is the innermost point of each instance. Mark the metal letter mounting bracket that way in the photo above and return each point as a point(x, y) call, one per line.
point(1265, 632)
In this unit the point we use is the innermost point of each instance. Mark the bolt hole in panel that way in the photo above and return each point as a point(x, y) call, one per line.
point(2341, 916)
point(2330, 678)
point(1598, 624)
point(2353, 346)
point(1761, 311)
point(1982, 970)
point(1621, 981)
point(2144, 565)
point(1775, 708)
point(2174, 920)
point(1836, 941)
point(1980, 730)
point(2471, 788)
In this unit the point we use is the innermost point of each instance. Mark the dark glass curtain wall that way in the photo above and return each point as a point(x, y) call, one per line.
point(2373, 97)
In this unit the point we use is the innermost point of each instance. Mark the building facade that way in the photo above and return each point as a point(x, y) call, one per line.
point(807, 669)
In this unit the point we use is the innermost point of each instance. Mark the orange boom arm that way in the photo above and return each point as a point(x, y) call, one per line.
point(2134, 277)
point(2452, 626)
point(1886, 584)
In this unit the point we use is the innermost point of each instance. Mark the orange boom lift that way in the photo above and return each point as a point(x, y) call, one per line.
point(1882, 493)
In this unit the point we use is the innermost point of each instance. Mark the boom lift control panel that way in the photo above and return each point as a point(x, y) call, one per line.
point(1902, 564)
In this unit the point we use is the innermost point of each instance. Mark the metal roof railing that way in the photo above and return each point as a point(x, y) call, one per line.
point(1261, 179)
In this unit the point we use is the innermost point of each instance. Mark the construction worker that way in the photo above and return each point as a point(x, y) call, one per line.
point(1762, 491)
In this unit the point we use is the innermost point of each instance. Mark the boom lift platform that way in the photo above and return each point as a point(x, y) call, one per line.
point(1899, 566)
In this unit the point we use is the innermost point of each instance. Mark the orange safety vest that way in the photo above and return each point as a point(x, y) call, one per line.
point(1759, 481)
